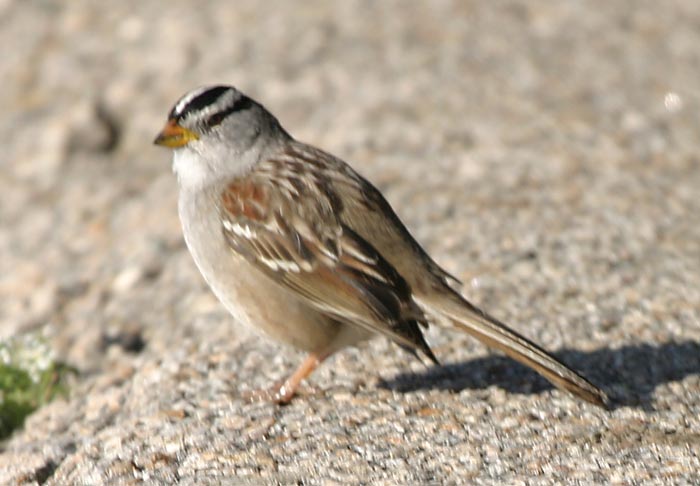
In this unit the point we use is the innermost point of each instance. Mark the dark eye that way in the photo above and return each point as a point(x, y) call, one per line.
point(215, 119)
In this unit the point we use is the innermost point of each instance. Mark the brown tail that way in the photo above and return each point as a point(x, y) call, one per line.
point(497, 335)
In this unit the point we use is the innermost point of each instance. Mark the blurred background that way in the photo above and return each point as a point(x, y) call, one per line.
point(546, 153)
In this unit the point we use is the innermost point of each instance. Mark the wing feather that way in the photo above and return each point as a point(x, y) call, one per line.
point(292, 233)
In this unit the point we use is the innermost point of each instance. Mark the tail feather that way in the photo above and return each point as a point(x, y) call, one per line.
point(495, 334)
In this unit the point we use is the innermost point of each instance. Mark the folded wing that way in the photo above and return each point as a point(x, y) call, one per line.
point(288, 228)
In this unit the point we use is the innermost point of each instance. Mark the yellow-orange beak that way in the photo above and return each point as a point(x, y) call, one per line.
point(173, 135)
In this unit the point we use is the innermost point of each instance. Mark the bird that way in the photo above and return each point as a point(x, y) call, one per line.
point(299, 246)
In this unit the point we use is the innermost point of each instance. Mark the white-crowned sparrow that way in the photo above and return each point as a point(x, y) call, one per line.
point(297, 244)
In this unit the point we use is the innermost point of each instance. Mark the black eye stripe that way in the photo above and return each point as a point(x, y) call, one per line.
point(242, 103)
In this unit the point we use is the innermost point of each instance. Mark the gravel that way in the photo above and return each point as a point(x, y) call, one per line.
point(546, 153)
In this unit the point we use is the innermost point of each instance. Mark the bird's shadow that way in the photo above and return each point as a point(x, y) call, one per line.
point(629, 375)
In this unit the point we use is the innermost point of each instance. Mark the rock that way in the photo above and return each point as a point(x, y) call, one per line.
point(545, 153)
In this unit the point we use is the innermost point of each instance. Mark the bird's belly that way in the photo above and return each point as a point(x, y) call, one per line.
point(254, 299)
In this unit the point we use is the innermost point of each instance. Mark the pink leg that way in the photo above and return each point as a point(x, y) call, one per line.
point(284, 392)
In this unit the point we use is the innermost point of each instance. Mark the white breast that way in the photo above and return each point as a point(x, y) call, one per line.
point(191, 172)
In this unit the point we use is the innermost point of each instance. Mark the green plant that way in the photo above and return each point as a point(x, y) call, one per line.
point(29, 377)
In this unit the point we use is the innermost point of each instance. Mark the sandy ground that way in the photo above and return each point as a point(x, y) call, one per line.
point(546, 153)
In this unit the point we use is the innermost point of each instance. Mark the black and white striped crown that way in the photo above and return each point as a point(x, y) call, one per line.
point(209, 105)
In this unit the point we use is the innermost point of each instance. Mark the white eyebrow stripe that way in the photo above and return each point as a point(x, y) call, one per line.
point(224, 101)
point(189, 97)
